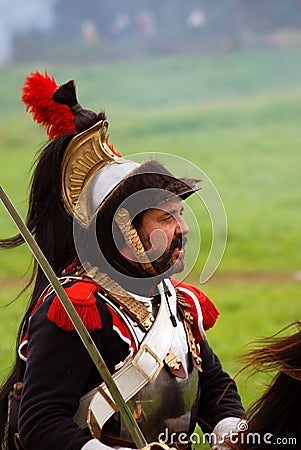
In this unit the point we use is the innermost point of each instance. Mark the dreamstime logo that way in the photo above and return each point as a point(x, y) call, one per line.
point(239, 437)
point(242, 426)
point(205, 207)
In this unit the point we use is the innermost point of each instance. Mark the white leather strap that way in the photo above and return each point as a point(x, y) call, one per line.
point(138, 371)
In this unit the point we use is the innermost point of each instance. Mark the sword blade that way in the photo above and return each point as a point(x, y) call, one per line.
point(83, 333)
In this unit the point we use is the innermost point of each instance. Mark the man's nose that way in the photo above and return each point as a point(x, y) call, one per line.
point(182, 227)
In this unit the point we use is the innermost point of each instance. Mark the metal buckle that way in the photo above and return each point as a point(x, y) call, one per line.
point(145, 348)
point(107, 398)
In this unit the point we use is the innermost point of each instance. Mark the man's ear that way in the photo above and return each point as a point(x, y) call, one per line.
point(132, 241)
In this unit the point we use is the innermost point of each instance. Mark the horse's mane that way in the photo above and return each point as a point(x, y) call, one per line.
point(278, 411)
point(282, 353)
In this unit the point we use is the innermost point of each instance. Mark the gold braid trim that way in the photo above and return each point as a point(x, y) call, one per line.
point(132, 239)
point(135, 309)
point(187, 322)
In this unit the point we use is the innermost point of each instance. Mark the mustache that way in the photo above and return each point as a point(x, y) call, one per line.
point(178, 242)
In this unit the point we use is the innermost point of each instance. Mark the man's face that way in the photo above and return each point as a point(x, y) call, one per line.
point(163, 233)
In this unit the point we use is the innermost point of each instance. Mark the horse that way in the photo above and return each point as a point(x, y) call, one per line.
point(274, 419)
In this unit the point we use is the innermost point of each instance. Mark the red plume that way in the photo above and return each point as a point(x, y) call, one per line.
point(111, 147)
point(37, 94)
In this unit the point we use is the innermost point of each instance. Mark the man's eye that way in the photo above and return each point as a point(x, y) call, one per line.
point(166, 219)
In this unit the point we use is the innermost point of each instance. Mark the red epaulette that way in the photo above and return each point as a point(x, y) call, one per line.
point(196, 299)
point(82, 295)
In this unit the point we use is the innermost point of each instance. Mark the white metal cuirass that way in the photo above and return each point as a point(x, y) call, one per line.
point(164, 409)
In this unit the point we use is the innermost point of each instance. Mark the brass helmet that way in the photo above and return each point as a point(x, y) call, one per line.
point(93, 175)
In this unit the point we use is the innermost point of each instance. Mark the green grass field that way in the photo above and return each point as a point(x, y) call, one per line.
point(235, 116)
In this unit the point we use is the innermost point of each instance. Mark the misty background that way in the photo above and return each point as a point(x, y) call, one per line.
point(95, 30)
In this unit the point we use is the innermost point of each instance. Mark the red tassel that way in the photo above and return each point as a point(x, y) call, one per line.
point(209, 310)
point(37, 94)
point(82, 296)
point(210, 313)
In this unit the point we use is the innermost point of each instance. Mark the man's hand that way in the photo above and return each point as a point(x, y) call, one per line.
point(157, 446)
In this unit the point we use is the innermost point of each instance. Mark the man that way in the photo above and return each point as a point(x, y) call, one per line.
point(113, 231)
